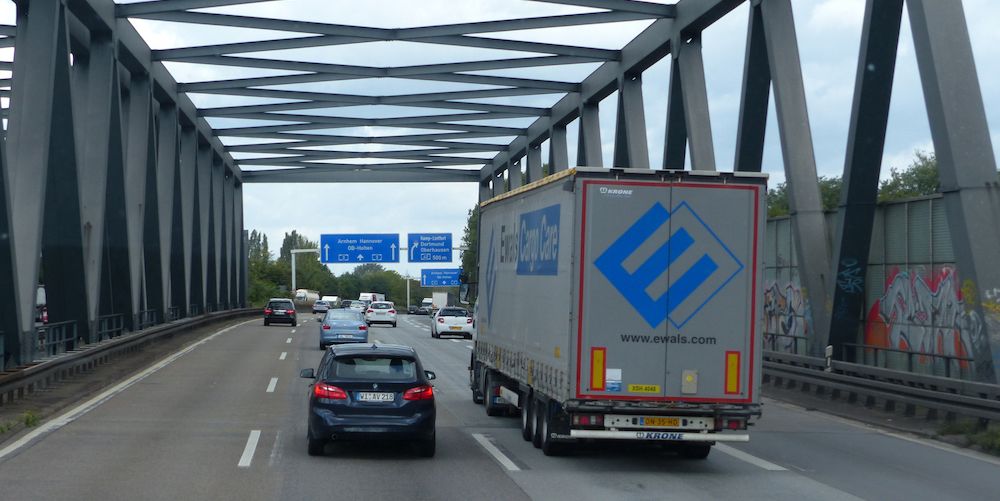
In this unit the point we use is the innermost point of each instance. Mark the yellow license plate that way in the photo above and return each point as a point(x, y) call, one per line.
point(661, 421)
point(643, 388)
point(456, 328)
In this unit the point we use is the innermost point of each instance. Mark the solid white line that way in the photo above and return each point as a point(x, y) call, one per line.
point(492, 449)
point(248, 451)
point(288, 341)
point(272, 384)
point(754, 460)
point(283, 355)
point(74, 413)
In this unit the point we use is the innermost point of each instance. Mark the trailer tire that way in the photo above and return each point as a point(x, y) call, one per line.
point(489, 389)
point(696, 451)
point(527, 418)
point(536, 418)
point(549, 447)
point(474, 384)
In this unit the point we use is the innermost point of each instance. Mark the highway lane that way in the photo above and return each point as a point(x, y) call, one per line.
point(184, 430)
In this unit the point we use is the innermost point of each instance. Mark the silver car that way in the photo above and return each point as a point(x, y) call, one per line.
point(342, 326)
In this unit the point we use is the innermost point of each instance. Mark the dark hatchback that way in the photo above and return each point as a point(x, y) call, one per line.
point(280, 310)
point(371, 392)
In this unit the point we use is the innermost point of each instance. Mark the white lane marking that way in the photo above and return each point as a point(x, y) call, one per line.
point(469, 346)
point(492, 449)
point(272, 385)
point(276, 450)
point(288, 341)
point(248, 451)
point(293, 331)
point(455, 341)
point(74, 413)
point(283, 355)
point(754, 460)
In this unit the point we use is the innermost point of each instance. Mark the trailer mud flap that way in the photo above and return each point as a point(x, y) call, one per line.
point(664, 436)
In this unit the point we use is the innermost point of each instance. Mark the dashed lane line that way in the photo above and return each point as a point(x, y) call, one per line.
point(272, 385)
point(495, 452)
point(754, 460)
point(248, 451)
point(288, 341)
point(283, 355)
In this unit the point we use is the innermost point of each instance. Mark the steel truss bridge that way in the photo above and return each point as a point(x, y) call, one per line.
point(116, 185)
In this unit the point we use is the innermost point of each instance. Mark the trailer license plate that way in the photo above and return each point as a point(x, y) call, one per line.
point(376, 397)
point(660, 421)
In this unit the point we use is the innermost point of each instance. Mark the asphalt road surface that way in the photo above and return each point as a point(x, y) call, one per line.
point(225, 419)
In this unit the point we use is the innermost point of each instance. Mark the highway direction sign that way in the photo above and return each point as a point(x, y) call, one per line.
point(429, 247)
point(359, 248)
point(446, 277)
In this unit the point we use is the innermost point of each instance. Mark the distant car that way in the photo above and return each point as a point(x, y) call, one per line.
point(371, 391)
point(450, 320)
point(426, 306)
point(358, 306)
point(342, 326)
point(321, 306)
point(411, 309)
point(280, 310)
point(381, 312)
point(345, 303)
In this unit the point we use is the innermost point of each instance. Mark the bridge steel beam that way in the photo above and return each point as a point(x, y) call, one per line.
point(966, 166)
point(865, 146)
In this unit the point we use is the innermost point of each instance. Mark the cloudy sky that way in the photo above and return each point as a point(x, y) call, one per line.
point(828, 35)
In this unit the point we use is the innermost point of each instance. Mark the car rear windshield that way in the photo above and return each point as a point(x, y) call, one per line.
point(343, 315)
point(373, 368)
point(381, 306)
point(453, 312)
point(280, 305)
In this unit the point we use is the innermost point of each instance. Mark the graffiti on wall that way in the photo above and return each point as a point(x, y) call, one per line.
point(785, 313)
point(923, 316)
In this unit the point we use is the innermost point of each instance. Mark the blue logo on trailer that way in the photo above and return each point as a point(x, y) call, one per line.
point(491, 278)
point(538, 242)
point(444, 277)
point(690, 267)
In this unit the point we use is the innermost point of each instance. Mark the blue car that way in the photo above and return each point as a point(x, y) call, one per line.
point(342, 326)
point(371, 392)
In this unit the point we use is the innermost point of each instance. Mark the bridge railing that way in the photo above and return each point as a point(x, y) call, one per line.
point(949, 366)
point(56, 338)
point(147, 318)
point(110, 326)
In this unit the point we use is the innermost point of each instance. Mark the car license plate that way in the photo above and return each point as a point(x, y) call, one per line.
point(345, 336)
point(455, 328)
point(380, 314)
point(368, 396)
point(660, 421)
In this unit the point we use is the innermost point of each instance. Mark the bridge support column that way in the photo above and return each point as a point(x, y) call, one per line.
point(166, 178)
point(588, 145)
point(535, 163)
point(558, 150)
point(631, 148)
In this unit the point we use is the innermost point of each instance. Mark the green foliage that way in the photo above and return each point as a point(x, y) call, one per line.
point(470, 243)
point(920, 178)
point(31, 419)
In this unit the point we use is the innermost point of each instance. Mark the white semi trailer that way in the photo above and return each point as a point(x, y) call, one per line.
point(623, 305)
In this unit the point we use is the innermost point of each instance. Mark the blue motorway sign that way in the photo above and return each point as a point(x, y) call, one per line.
point(445, 277)
point(359, 248)
point(429, 247)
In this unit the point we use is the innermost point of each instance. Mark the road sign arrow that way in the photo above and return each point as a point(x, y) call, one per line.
point(393, 247)
point(413, 247)
point(361, 257)
point(326, 252)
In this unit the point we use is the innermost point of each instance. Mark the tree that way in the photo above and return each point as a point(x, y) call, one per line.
point(829, 192)
point(470, 244)
point(919, 178)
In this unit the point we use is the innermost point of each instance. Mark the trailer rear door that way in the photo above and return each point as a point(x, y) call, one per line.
point(668, 274)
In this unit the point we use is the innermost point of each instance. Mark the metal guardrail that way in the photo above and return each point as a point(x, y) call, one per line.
point(110, 326)
point(56, 338)
point(26, 379)
point(194, 310)
point(147, 318)
point(911, 361)
point(934, 393)
point(173, 313)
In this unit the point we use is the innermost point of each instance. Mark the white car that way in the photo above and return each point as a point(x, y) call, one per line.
point(452, 320)
point(381, 312)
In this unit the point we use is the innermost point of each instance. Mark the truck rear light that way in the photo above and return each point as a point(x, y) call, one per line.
point(425, 392)
point(588, 420)
point(329, 392)
point(727, 423)
point(326, 327)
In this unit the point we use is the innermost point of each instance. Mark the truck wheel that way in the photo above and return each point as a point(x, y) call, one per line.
point(550, 447)
point(536, 419)
point(489, 391)
point(527, 419)
point(696, 451)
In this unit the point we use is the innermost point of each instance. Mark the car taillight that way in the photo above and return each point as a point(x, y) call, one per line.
point(371, 311)
point(425, 392)
point(267, 311)
point(440, 320)
point(392, 311)
point(329, 392)
point(362, 327)
point(326, 327)
point(468, 320)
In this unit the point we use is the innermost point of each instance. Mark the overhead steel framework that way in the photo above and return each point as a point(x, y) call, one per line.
point(128, 198)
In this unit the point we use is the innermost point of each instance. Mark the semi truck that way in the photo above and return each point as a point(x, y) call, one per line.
point(623, 304)
point(440, 300)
